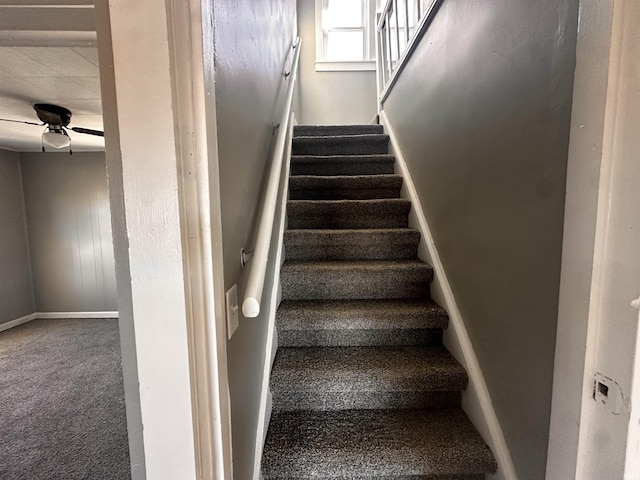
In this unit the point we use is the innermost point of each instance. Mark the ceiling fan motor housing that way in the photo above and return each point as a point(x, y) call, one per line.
point(53, 115)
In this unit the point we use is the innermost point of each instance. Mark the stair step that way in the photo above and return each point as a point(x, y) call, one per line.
point(380, 443)
point(333, 130)
point(332, 378)
point(339, 187)
point(303, 323)
point(351, 244)
point(342, 164)
point(369, 279)
point(341, 145)
point(341, 214)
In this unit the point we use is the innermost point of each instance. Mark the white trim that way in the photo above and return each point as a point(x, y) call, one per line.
point(65, 315)
point(18, 321)
point(55, 316)
point(264, 412)
point(477, 386)
point(353, 66)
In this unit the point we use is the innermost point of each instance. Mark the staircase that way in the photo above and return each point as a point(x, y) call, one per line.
point(362, 385)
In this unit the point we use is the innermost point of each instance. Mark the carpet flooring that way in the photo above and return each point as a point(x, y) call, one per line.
point(62, 414)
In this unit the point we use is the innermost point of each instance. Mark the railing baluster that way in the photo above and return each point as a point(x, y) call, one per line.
point(406, 22)
point(395, 9)
point(389, 59)
point(416, 22)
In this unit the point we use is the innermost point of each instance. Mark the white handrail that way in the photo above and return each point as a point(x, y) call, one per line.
point(258, 269)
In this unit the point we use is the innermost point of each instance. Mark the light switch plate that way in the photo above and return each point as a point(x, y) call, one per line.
point(233, 308)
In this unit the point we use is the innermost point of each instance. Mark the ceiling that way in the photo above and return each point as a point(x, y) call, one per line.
point(39, 64)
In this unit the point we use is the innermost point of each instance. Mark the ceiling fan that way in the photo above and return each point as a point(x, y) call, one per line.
point(56, 119)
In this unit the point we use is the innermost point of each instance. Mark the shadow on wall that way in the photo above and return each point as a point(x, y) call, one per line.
point(482, 113)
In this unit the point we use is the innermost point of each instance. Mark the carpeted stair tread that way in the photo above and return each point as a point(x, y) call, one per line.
point(342, 164)
point(366, 369)
point(351, 214)
point(332, 130)
point(355, 279)
point(340, 315)
point(351, 244)
point(352, 187)
point(379, 443)
point(340, 144)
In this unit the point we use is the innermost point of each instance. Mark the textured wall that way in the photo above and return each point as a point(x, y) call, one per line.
point(330, 97)
point(482, 112)
point(69, 228)
point(16, 289)
point(253, 41)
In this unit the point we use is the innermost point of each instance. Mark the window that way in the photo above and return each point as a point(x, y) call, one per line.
point(345, 34)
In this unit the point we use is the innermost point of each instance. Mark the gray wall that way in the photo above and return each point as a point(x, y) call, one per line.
point(16, 289)
point(482, 112)
point(330, 97)
point(69, 228)
point(253, 42)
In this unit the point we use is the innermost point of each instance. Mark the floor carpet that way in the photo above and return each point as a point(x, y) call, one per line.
point(62, 413)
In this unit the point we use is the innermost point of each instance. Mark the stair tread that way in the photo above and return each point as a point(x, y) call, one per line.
point(374, 443)
point(356, 266)
point(360, 314)
point(367, 369)
point(319, 130)
point(340, 144)
point(360, 236)
point(344, 181)
point(364, 137)
point(374, 157)
point(368, 201)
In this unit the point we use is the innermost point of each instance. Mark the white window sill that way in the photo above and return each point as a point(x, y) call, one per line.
point(357, 66)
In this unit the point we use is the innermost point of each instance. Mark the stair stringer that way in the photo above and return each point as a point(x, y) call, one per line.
point(476, 400)
point(265, 407)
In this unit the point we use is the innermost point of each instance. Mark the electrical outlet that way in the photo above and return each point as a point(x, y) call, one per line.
point(607, 392)
point(233, 321)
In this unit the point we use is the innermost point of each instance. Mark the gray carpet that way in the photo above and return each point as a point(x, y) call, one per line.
point(62, 413)
point(362, 386)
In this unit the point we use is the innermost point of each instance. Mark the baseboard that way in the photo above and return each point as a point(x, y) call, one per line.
point(55, 316)
point(264, 412)
point(18, 321)
point(476, 399)
point(63, 315)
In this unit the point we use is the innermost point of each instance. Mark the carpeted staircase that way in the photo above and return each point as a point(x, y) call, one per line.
point(362, 386)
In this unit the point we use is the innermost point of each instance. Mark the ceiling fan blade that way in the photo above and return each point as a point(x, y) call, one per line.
point(88, 131)
point(20, 121)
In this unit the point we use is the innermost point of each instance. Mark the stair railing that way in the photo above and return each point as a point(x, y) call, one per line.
point(260, 258)
point(401, 25)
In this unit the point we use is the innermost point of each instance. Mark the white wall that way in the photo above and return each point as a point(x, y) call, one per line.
point(144, 173)
point(69, 224)
point(16, 288)
point(251, 56)
point(601, 259)
point(330, 97)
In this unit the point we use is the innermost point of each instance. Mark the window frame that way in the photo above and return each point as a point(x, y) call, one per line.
point(368, 29)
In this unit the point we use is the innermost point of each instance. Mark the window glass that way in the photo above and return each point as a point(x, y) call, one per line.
point(345, 45)
point(342, 14)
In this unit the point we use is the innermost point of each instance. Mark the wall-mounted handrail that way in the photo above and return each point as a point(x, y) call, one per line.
point(392, 53)
point(258, 269)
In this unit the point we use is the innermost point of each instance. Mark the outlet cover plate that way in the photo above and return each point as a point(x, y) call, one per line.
point(233, 321)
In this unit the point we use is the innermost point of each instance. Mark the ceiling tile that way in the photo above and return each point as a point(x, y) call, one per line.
point(20, 90)
point(90, 53)
point(13, 63)
point(88, 83)
point(63, 60)
point(61, 88)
